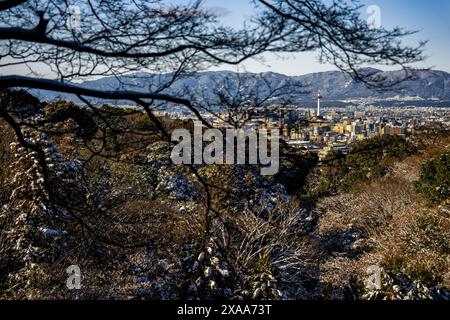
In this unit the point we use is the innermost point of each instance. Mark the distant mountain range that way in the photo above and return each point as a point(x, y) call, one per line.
point(428, 85)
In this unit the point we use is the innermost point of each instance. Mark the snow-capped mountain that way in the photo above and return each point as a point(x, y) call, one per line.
point(430, 85)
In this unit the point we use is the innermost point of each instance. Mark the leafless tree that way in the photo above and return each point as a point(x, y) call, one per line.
point(114, 38)
point(64, 42)
point(118, 37)
point(342, 38)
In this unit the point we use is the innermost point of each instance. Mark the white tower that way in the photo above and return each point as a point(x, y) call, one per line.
point(319, 96)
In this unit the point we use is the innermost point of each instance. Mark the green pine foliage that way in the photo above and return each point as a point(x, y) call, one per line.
point(368, 159)
point(434, 181)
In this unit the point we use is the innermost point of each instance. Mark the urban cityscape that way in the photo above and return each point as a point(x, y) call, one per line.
point(324, 130)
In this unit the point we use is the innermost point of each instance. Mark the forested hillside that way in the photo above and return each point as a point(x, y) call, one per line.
point(101, 192)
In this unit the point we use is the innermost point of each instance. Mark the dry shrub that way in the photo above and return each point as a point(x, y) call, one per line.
point(272, 244)
point(153, 222)
point(419, 245)
point(341, 278)
point(7, 136)
point(369, 210)
point(133, 239)
point(385, 224)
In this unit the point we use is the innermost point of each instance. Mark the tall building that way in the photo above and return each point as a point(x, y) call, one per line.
point(319, 96)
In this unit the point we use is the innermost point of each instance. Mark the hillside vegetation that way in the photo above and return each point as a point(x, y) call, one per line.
point(112, 202)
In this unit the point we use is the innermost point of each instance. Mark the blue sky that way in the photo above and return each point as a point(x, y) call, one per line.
point(431, 17)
